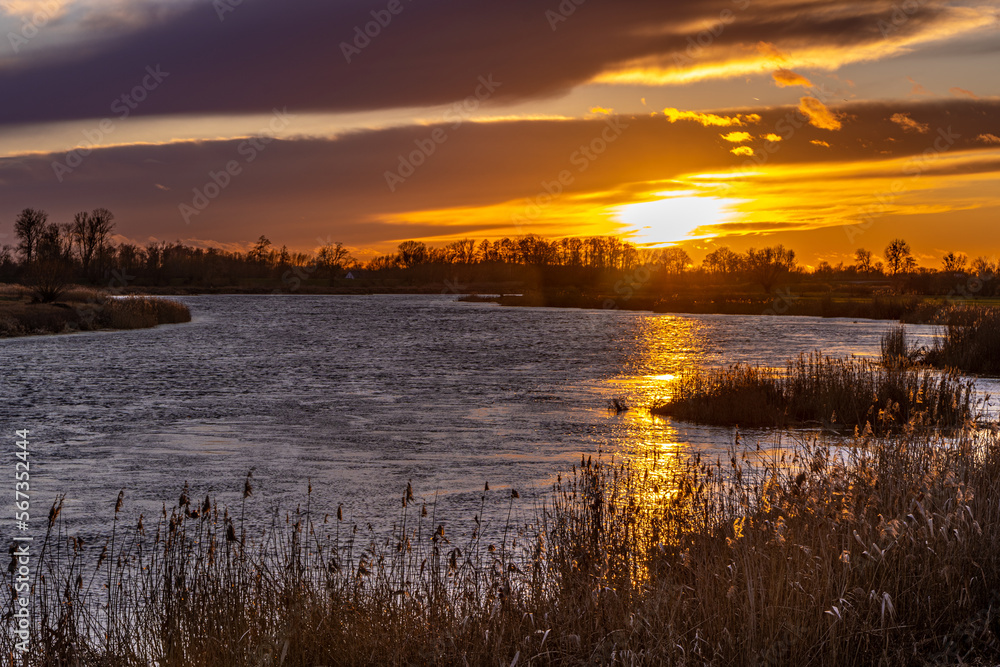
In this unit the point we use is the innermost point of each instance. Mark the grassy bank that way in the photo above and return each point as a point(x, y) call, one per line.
point(910, 309)
point(84, 309)
point(889, 554)
point(814, 390)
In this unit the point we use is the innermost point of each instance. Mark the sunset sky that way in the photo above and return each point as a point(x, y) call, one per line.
point(826, 126)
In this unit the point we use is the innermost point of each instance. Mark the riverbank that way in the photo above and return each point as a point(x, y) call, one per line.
point(84, 309)
point(911, 309)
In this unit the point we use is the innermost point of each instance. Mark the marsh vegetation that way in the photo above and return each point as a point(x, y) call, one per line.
point(887, 550)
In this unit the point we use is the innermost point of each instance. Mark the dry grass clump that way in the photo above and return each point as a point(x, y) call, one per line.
point(886, 552)
point(970, 341)
point(140, 312)
point(814, 389)
point(896, 351)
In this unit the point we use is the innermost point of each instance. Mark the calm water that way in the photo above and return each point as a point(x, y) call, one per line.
point(362, 394)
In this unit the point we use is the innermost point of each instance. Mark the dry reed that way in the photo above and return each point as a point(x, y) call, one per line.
point(884, 552)
point(813, 389)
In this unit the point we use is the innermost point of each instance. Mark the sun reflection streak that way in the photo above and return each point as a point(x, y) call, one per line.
point(668, 346)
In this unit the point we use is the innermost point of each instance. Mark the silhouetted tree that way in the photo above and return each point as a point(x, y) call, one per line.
point(412, 253)
point(864, 261)
point(898, 258)
point(673, 260)
point(722, 261)
point(954, 263)
point(769, 265)
point(28, 226)
point(333, 256)
point(259, 253)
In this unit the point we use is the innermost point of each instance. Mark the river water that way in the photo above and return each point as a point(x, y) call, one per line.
point(361, 394)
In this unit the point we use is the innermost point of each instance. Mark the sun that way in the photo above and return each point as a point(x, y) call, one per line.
point(675, 216)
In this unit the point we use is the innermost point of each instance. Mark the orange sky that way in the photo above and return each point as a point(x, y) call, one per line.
point(825, 126)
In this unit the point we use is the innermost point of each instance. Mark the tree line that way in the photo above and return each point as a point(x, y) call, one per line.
point(49, 254)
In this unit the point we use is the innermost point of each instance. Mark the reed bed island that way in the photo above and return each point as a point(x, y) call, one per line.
point(23, 313)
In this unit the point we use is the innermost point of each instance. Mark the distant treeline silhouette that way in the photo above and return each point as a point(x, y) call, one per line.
point(83, 251)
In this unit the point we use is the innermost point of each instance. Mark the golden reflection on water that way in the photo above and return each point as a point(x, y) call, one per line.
point(656, 451)
point(665, 348)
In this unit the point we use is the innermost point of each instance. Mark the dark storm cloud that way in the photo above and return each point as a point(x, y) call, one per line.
point(288, 53)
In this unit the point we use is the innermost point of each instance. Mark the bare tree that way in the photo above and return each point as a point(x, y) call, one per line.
point(82, 239)
point(864, 261)
point(722, 261)
point(898, 257)
point(955, 263)
point(770, 265)
point(984, 268)
point(674, 260)
point(334, 256)
point(412, 253)
point(51, 271)
point(90, 233)
point(260, 252)
point(102, 225)
point(28, 227)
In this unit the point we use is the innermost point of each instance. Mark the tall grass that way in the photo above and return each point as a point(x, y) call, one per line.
point(813, 389)
point(138, 312)
point(85, 309)
point(970, 341)
point(886, 552)
point(896, 351)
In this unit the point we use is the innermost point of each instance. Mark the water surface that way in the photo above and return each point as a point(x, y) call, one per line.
point(361, 394)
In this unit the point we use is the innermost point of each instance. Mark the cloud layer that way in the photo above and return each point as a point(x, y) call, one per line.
point(261, 54)
point(339, 187)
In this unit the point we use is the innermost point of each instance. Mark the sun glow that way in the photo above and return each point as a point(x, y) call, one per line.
point(675, 216)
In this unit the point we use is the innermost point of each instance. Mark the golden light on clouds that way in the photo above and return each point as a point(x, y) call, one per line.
point(50, 9)
point(773, 137)
point(783, 198)
point(955, 90)
point(736, 137)
point(710, 119)
point(786, 77)
point(726, 61)
point(907, 123)
point(818, 113)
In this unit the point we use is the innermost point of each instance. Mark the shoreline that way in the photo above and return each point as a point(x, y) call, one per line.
point(909, 309)
point(86, 310)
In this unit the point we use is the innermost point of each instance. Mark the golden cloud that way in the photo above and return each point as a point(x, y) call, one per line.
point(819, 115)
point(907, 123)
point(772, 137)
point(988, 138)
point(962, 91)
point(726, 61)
point(51, 9)
point(769, 50)
point(736, 137)
point(817, 142)
point(742, 150)
point(918, 89)
point(786, 78)
point(710, 119)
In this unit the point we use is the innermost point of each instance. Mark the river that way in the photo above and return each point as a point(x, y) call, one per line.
point(362, 394)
